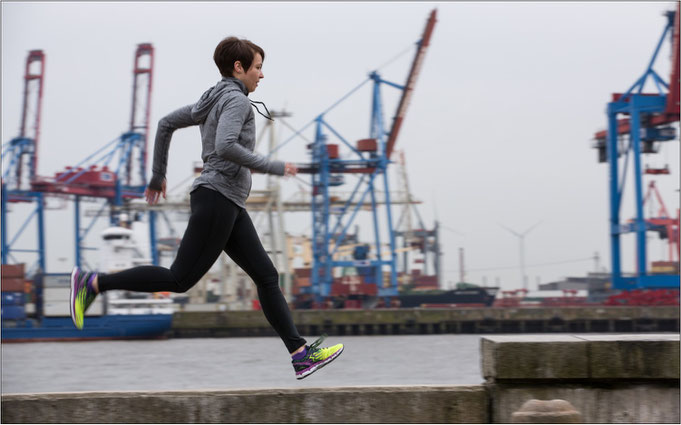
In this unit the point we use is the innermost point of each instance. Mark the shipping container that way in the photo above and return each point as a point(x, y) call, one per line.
point(665, 267)
point(367, 145)
point(12, 270)
point(361, 289)
point(332, 150)
point(302, 272)
point(13, 312)
point(13, 298)
point(303, 281)
point(12, 284)
point(352, 304)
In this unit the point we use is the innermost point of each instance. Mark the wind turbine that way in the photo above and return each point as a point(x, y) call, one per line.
point(521, 238)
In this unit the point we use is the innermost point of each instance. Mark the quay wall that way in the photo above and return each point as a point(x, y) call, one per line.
point(434, 321)
point(607, 378)
point(430, 404)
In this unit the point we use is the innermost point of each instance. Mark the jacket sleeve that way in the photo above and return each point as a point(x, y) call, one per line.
point(166, 126)
point(231, 120)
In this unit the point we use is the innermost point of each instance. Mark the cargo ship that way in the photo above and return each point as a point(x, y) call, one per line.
point(463, 296)
point(37, 309)
point(140, 326)
point(46, 316)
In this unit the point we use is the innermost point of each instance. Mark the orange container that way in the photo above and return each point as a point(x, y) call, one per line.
point(302, 272)
point(303, 281)
point(332, 150)
point(367, 145)
point(12, 270)
point(12, 284)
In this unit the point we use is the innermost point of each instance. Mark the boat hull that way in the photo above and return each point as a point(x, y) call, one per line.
point(473, 296)
point(147, 326)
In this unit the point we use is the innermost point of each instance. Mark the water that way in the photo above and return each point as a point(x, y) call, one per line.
point(229, 363)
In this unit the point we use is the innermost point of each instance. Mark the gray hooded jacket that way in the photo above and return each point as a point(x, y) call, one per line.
point(227, 124)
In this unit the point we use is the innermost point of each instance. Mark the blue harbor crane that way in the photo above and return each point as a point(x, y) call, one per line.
point(116, 172)
point(368, 159)
point(648, 123)
point(19, 165)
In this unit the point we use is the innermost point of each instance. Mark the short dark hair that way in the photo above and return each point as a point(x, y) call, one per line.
point(233, 49)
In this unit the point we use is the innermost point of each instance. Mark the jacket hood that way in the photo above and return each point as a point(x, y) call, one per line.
point(212, 95)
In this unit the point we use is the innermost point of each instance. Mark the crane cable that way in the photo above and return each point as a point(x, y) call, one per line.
point(298, 132)
point(396, 57)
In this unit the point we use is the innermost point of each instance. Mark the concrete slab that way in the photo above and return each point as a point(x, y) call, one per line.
point(581, 356)
point(633, 358)
point(629, 337)
point(532, 338)
point(534, 357)
point(387, 404)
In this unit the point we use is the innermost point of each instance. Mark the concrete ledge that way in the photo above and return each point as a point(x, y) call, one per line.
point(541, 357)
point(417, 404)
point(581, 357)
point(607, 378)
point(633, 356)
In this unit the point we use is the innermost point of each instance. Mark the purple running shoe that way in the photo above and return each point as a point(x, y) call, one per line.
point(82, 295)
point(315, 358)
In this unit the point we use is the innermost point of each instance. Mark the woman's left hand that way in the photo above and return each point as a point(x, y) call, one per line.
point(152, 196)
point(290, 169)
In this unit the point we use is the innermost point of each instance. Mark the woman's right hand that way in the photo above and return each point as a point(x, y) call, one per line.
point(152, 196)
point(290, 169)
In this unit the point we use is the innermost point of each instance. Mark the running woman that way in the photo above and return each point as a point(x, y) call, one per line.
point(218, 220)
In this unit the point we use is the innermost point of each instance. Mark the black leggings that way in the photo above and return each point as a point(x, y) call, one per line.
point(215, 224)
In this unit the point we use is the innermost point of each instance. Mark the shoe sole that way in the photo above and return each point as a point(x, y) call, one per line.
point(315, 368)
point(72, 296)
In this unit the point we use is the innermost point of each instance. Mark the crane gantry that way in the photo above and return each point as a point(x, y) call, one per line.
point(648, 123)
point(369, 158)
point(115, 173)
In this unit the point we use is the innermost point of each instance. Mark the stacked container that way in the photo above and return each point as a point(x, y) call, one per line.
point(13, 296)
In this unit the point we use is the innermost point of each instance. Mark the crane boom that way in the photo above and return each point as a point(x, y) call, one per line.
point(411, 81)
point(671, 112)
point(31, 112)
point(141, 93)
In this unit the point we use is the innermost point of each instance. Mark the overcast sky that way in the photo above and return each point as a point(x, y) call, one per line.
point(498, 132)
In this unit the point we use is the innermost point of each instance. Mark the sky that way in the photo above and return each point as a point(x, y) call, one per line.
point(498, 132)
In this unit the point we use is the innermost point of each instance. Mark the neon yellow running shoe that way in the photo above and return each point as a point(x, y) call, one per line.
point(82, 295)
point(314, 358)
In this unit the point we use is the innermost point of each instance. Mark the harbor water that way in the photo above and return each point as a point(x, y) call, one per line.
point(231, 363)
